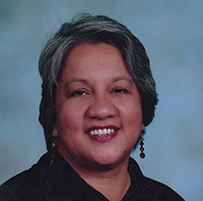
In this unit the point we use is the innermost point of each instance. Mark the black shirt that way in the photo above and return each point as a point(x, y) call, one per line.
point(59, 182)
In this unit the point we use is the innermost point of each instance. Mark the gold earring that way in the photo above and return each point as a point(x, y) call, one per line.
point(142, 154)
point(54, 149)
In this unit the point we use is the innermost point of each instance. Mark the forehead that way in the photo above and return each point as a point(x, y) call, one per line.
point(98, 54)
point(86, 49)
point(88, 60)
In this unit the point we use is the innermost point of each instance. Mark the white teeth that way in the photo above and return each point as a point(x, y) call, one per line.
point(105, 131)
point(101, 132)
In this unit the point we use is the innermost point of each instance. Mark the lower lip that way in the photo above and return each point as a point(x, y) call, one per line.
point(105, 138)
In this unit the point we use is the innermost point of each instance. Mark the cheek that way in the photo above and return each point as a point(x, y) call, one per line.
point(133, 126)
point(68, 128)
point(132, 123)
point(132, 114)
point(68, 118)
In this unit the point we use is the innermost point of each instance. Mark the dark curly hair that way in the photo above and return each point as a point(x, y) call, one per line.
point(93, 29)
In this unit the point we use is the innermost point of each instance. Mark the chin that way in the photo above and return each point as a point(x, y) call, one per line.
point(111, 160)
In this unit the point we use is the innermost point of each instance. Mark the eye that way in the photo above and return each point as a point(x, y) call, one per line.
point(78, 93)
point(119, 91)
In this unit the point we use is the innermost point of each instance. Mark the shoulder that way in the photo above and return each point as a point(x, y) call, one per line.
point(24, 185)
point(15, 187)
point(159, 191)
point(149, 189)
point(45, 181)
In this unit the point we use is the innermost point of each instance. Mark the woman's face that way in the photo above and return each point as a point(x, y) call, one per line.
point(99, 117)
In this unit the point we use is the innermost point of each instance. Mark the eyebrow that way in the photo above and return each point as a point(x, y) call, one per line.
point(116, 79)
point(75, 80)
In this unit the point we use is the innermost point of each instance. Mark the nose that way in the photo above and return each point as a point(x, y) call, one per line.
point(101, 108)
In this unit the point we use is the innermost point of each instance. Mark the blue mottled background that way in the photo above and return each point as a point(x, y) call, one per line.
point(171, 31)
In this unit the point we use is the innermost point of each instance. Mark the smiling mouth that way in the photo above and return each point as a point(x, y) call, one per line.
point(101, 132)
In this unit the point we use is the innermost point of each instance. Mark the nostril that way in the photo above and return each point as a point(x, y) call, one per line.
point(110, 116)
point(101, 117)
point(101, 110)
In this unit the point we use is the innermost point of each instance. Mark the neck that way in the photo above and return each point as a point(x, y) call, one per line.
point(112, 183)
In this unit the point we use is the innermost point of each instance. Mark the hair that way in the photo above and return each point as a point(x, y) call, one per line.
point(85, 28)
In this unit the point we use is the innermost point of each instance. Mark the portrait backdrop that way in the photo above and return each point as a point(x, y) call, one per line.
point(171, 31)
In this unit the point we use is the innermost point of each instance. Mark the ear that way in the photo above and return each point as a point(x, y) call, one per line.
point(143, 127)
point(54, 132)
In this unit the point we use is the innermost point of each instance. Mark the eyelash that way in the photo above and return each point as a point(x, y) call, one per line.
point(118, 90)
point(78, 93)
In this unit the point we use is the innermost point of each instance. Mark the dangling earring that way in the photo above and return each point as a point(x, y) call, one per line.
point(54, 149)
point(142, 154)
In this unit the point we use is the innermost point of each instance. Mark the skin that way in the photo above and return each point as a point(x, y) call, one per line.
point(96, 91)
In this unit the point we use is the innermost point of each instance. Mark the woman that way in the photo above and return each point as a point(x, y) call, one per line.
point(98, 95)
